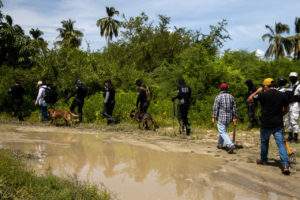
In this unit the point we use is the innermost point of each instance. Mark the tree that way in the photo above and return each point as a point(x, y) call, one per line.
point(70, 37)
point(295, 39)
point(36, 34)
point(279, 45)
point(108, 25)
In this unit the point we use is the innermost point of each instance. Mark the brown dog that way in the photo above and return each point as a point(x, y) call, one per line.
point(66, 115)
point(142, 119)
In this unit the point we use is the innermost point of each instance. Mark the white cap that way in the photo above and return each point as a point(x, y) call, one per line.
point(294, 74)
point(39, 83)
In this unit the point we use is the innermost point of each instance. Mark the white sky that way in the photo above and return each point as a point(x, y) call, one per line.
point(246, 18)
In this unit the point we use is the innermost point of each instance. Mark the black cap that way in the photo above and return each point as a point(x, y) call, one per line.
point(138, 82)
point(282, 81)
point(17, 81)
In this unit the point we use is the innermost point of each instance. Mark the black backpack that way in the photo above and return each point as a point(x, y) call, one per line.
point(50, 95)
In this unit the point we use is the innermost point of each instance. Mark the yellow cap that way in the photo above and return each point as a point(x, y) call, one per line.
point(268, 81)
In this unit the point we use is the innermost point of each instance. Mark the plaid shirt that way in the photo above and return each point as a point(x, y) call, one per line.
point(224, 109)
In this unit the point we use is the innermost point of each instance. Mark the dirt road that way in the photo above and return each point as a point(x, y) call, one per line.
point(237, 173)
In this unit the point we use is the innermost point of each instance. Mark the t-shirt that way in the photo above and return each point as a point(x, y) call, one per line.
point(272, 104)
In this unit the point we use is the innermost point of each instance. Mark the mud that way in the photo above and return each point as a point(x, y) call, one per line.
point(147, 165)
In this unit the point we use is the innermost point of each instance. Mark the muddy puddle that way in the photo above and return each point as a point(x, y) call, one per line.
point(128, 171)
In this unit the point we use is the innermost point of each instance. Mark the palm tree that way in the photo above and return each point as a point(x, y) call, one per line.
point(108, 25)
point(70, 37)
point(279, 46)
point(295, 39)
point(8, 24)
point(36, 34)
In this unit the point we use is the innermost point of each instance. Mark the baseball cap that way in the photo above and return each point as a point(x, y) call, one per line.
point(39, 83)
point(268, 81)
point(294, 74)
point(224, 86)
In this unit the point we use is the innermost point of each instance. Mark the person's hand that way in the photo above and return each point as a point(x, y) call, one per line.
point(213, 120)
point(234, 122)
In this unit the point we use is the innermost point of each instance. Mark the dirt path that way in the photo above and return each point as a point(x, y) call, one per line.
point(239, 171)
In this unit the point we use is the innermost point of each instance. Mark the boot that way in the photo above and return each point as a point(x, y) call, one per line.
point(188, 130)
point(296, 137)
point(290, 137)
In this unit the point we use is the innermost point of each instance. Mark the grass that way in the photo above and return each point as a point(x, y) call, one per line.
point(17, 182)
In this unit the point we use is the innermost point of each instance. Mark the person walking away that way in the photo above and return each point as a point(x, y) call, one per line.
point(40, 100)
point(80, 92)
point(281, 85)
point(17, 92)
point(109, 101)
point(292, 118)
point(251, 105)
point(143, 98)
point(184, 99)
point(224, 111)
point(274, 105)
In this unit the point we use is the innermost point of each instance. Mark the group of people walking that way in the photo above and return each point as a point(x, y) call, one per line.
point(275, 103)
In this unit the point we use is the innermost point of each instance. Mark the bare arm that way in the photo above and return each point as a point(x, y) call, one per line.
point(286, 110)
point(250, 98)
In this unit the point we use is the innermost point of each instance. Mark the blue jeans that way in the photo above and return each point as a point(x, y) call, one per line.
point(223, 135)
point(264, 144)
point(44, 112)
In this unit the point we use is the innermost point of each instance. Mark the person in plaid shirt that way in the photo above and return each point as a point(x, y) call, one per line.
point(225, 112)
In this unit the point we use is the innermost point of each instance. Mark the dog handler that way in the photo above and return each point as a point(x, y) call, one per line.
point(109, 101)
point(81, 92)
point(17, 92)
point(142, 97)
point(274, 105)
point(184, 97)
point(40, 100)
point(225, 112)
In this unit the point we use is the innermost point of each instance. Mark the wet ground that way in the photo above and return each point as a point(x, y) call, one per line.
point(145, 165)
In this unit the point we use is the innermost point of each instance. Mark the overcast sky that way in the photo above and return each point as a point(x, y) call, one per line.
point(246, 18)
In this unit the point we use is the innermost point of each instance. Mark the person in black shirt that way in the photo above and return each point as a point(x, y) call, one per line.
point(17, 92)
point(184, 98)
point(109, 101)
point(81, 92)
point(251, 105)
point(143, 98)
point(274, 105)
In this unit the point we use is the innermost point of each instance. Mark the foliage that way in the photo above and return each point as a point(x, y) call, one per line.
point(70, 37)
point(154, 53)
point(16, 182)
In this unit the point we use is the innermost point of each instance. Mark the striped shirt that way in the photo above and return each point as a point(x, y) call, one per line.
point(224, 109)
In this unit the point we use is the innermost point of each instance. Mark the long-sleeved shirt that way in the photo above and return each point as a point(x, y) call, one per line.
point(224, 109)
point(40, 99)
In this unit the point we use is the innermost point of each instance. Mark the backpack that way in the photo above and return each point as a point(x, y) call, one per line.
point(147, 91)
point(290, 93)
point(50, 95)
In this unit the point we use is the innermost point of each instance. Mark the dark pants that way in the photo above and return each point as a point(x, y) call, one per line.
point(183, 111)
point(79, 103)
point(251, 113)
point(17, 103)
point(107, 111)
point(144, 107)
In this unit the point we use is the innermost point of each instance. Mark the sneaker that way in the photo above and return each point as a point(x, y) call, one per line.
point(286, 170)
point(230, 150)
point(260, 162)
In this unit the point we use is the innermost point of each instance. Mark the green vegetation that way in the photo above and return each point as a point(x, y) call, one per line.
point(145, 50)
point(16, 182)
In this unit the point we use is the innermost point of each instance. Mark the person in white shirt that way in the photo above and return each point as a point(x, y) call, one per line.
point(40, 100)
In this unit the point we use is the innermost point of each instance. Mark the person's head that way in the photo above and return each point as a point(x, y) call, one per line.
point(224, 87)
point(17, 82)
point(138, 82)
point(107, 82)
point(268, 83)
point(282, 82)
point(78, 82)
point(181, 81)
point(39, 83)
point(293, 77)
point(249, 83)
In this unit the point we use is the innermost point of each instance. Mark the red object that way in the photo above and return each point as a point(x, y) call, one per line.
point(223, 86)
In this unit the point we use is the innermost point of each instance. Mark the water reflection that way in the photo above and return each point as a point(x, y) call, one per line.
point(132, 172)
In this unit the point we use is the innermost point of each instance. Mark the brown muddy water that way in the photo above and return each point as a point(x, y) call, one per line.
point(128, 171)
